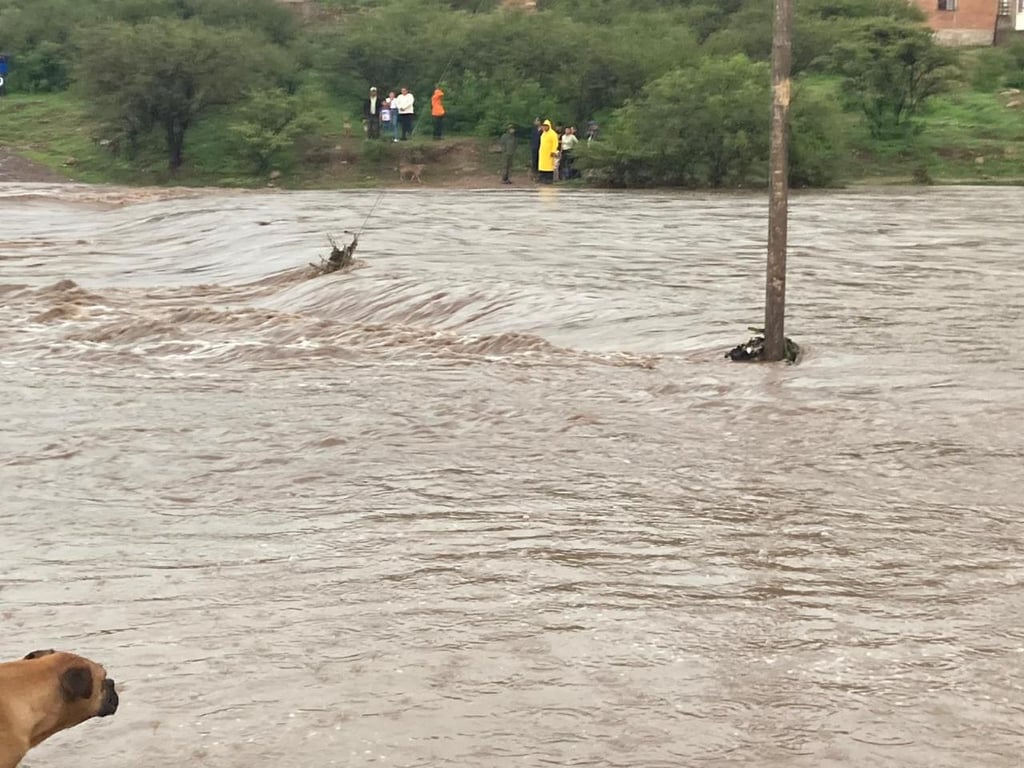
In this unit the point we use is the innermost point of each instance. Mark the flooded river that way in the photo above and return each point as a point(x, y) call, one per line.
point(495, 498)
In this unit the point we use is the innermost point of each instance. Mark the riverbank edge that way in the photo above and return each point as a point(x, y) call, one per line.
point(468, 163)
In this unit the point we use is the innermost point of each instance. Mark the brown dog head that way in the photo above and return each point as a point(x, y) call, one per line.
point(80, 689)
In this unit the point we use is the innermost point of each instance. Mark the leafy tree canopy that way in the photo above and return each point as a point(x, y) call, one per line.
point(706, 126)
point(891, 68)
point(198, 68)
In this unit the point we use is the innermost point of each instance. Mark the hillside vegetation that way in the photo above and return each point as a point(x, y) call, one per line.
point(243, 91)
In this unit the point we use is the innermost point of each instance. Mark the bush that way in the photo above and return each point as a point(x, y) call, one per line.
point(486, 104)
point(705, 126)
point(1015, 73)
point(270, 122)
point(817, 146)
point(709, 127)
point(44, 68)
point(37, 39)
point(991, 68)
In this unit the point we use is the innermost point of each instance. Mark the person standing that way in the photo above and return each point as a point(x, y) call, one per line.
point(508, 150)
point(371, 113)
point(535, 149)
point(556, 172)
point(406, 104)
point(548, 153)
point(437, 111)
point(392, 103)
point(569, 142)
point(388, 116)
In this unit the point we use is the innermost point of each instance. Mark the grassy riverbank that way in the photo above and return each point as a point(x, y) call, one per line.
point(967, 137)
point(55, 132)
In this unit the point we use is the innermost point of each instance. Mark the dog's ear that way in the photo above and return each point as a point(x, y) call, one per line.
point(76, 683)
point(39, 654)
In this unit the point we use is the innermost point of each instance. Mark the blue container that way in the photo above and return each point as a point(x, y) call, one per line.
point(3, 65)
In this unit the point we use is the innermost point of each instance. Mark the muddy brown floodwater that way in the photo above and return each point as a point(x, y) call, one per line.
point(494, 498)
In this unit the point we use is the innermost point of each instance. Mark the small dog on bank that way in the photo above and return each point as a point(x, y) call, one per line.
point(46, 692)
point(412, 169)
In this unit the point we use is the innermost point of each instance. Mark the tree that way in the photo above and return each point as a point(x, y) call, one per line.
point(271, 121)
point(474, 107)
point(818, 26)
point(274, 20)
point(704, 126)
point(708, 126)
point(838, 9)
point(890, 69)
point(165, 74)
point(37, 38)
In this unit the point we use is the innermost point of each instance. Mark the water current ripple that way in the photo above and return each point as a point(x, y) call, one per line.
point(494, 498)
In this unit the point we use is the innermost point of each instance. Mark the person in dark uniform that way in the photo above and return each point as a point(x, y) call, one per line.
point(508, 151)
point(535, 149)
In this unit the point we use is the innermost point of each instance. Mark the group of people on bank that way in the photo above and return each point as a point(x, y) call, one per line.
point(552, 151)
point(552, 148)
point(394, 116)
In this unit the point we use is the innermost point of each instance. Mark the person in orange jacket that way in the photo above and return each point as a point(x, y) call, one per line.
point(437, 111)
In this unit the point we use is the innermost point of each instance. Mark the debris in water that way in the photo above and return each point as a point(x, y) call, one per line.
point(753, 350)
point(340, 258)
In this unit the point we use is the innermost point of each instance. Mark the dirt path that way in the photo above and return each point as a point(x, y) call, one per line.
point(16, 168)
point(455, 163)
point(458, 168)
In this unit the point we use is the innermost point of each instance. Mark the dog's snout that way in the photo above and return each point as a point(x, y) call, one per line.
point(110, 699)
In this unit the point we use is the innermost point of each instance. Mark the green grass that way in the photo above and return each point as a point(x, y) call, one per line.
point(53, 129)
point(966, 137)
point(56, 130)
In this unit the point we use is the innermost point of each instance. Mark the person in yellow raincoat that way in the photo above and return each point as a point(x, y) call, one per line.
point(548, 153)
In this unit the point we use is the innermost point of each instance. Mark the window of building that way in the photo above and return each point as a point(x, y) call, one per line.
point(947, 5)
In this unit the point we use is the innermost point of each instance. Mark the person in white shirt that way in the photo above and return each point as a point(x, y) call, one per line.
point(392, 108)
point(569, 141)
point(405, 102)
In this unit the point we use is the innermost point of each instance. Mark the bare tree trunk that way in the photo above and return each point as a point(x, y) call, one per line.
point(778, 206)
point(175, 131)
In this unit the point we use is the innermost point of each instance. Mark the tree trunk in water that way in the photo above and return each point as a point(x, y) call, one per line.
point(778, 205)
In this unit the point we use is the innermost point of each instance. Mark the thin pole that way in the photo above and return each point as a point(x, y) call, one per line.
point(778, 202)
